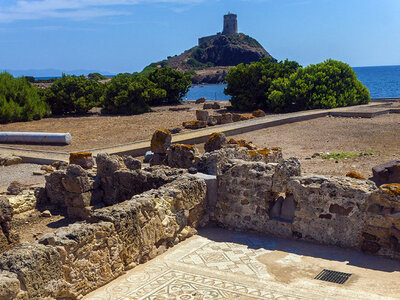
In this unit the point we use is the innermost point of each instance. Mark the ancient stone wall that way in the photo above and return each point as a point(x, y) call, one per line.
point(77, 259)
point(272, 198)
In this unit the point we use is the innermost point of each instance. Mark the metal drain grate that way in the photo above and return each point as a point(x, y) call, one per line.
point(333, 276)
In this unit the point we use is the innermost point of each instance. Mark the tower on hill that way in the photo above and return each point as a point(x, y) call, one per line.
point(230, 24)
point(230, 27)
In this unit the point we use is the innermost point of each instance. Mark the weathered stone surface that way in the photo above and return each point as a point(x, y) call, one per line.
point(355, 175)
point(215, 162)
point(241, 117)
point(283, 172)
point(24, 201)
point(16, 187)
point(8, 238)
point(387, 173)
point(330, 210)
point(158, 159)
point(182, 156)
point(132, 163)
point(83, 159)
point(60, 165)
point(8, 160)
point(288, 209)
point(208, 106)
point(224, 118)
point(160, 141)
point(202, 115)
point(259, 113)
point(244, 196)
point(215, 142)
point(37, 267)
point(108, 164)
point(194, 124)
point(216, 105)
point(212, 121)
point(9, 285)
point(77, 180)
point(175, 130)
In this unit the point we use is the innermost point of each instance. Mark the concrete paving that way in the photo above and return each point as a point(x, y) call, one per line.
point(220, 264)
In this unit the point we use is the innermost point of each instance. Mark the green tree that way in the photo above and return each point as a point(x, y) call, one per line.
point(129, 94)
point(249, 85)
point(19, 100)
point(175, 83)
point(73, 94)
point(96, 76)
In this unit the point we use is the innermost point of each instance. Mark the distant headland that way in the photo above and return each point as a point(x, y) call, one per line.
point(211, 59)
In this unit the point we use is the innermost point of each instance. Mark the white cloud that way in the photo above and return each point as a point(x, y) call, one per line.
point(72, 9)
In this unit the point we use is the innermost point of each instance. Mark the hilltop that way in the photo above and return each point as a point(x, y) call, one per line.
point(210, 61)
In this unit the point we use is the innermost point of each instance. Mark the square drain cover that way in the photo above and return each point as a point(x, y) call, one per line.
point(333, 276)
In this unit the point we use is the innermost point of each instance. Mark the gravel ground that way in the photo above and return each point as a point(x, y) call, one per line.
point(21, 172)
point(96, 131)
point(379, 135)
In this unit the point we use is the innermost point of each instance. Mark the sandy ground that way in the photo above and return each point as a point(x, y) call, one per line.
point(22, 173)
point(379, 135)
point(96, 131)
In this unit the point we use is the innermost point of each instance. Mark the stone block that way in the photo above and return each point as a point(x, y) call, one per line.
point(386, 173)
point(212, 190)
point(83, 159)
point(108, 164)
point(215, 142)
point(202, 115)
point(258, 113)
point(200, 100)
point(182, 156)
point(8, 160)
point(194, 124)
point(288, 208)
point(160, 141)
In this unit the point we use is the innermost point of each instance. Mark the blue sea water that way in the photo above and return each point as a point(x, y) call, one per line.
point(382, 82)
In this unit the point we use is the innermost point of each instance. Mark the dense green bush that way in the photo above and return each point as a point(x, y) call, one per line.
point(130, 94)
point(249, 85)
point(73, 94)
point(328, 84)
point(175, 83)
point(19, 100)
point(286, 87)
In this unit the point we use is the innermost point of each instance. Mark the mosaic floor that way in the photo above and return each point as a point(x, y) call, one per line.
point(202, 268)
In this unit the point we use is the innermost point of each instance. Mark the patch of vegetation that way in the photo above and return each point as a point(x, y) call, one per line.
point(73, 94)
point(175, 83)
point(96, 76)
point(129, 94)
point(286, 86)
point(19, 100)
point(243, 39)
point(153, 66)
point(345, 155)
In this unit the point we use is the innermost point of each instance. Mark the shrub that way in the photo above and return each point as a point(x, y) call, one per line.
point(175, 83)
point(130, 94)
point(19, 100)
point(249, 85)
point(73, 94)
point(286, 87)
point(328, 84)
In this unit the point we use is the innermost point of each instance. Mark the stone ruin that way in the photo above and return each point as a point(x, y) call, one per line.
point(129, 214)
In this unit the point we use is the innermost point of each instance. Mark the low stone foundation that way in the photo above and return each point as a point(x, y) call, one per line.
point(130, 214)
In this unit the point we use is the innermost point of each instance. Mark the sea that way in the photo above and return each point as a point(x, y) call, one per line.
point(382, 82)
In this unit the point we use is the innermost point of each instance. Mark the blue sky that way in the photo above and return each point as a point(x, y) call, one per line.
point(126, 35)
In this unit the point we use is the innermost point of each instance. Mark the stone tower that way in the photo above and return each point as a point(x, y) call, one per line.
point(230, 24)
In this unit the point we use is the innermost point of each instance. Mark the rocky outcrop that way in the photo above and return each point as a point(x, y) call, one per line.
point(83, 159)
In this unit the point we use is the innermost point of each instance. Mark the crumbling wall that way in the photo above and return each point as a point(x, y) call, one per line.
point(80, 258)
point(272, 198)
